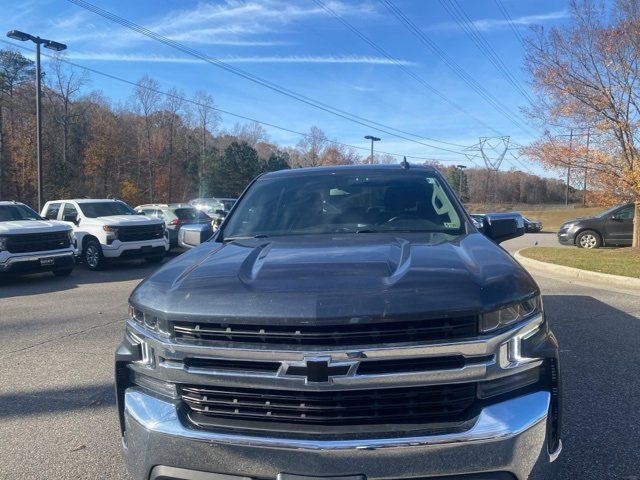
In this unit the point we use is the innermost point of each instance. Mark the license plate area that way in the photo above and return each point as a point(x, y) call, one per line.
point(146, 249)
point(45, 262)
point(290, 476)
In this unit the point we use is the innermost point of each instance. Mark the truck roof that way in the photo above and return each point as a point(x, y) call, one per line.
point(396, 167)
point(85, 200)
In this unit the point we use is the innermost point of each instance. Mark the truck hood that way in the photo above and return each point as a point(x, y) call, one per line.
point(322, 276)
point(17, 227)
point(125, 220)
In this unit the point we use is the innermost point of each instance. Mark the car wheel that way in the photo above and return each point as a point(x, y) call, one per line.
point(63, 273)
point(156, 259)
point(92, 255)
point(589, 239)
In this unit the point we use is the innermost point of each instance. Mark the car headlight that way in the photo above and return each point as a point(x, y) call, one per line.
point(72, 237)
point(510, 314)
point(148, 321)
point(3, 243)
point(110, 229)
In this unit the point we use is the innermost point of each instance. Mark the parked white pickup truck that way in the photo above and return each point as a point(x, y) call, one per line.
point(29, 243)
point(110, 229)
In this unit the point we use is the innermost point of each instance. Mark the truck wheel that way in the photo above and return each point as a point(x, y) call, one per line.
point(92, 255)
point(588, 239)
point(63, 273)
point(155, 259)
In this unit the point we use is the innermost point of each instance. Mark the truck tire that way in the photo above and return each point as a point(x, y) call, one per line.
point(92, 255)
point(589, 239)
point(63, 273)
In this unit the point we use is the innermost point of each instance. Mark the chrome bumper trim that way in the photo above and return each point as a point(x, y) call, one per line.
point(35, 258)
point(496, 422)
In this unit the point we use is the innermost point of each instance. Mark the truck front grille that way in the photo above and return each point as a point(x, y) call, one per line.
point(330, 335)
point(139, 233)
point(37, 242)
point(391, 406)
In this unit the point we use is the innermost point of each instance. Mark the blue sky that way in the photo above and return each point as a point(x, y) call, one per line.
point(301, 47)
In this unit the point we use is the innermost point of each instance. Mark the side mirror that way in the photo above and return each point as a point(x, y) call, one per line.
point(141, 213)
point(192, 235)
point(70, 217)
point(503, 226)
point(221, 213)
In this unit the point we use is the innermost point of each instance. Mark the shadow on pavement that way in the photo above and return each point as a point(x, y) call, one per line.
point(55, 400)
point(46, 282)
point(601, 395)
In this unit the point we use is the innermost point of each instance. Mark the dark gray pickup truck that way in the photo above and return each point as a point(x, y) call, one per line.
point(343, 323)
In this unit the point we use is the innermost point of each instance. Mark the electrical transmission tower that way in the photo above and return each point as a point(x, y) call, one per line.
point(492, 150)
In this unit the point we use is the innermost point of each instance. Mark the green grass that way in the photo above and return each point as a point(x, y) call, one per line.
point(618, 261)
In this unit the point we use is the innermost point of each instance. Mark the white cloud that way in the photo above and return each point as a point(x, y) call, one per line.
point(334, 59)
point(487, 24)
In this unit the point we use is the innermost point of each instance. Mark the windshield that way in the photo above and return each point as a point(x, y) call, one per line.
point(190, 214)
point(105, 209)
point(17, 212)
point(344, 203)
point(607, 212)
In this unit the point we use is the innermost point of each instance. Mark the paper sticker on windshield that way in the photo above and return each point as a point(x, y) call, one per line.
point(449, 225)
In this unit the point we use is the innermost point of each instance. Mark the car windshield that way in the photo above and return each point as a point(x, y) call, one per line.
point(10, 213)
point(105, 209)
point(190, 214)
point(607, 212)
point(344, 202)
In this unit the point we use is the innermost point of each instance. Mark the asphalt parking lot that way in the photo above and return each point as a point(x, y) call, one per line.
point(57, 407)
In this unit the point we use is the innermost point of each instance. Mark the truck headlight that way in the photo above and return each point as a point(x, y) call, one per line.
point(148, 321)
point(510, 314)
point(3, 243)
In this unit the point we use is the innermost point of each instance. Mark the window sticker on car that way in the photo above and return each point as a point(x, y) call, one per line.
point(450, 225)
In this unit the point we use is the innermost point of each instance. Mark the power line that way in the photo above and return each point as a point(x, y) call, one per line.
point(395, 61)
point(512, 25)
point(256, 79)
point(459, 71)
point(220, 110)
point(462, 19)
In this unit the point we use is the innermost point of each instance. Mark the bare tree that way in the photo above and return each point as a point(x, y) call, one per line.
point(586, 74)
point(252, 133)
point(147, 98)
point(208, 122)
point(173, 106)
point(311, 147)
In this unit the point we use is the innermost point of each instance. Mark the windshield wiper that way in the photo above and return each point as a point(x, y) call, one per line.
point(232, 239)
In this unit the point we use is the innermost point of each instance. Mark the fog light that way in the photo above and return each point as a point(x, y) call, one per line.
point(499, 386)
point(155, 385)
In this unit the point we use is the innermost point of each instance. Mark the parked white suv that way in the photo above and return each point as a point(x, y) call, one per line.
point(29, 243)
point(108, 229)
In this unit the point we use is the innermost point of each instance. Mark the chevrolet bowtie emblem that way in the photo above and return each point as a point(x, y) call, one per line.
point(320, 370)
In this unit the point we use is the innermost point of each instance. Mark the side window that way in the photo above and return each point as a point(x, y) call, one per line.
point(160, 214)
point(69, 209)
point(52, 211)
point(625, 213)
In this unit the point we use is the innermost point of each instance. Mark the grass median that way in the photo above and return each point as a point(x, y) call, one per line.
point(615, 261)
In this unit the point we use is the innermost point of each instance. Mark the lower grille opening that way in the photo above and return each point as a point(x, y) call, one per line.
point(309, 411)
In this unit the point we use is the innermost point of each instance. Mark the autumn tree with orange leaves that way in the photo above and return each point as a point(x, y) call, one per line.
point(586, 75)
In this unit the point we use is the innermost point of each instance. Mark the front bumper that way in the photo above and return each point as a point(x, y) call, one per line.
point(508, 438)
point(144, 248)
point(566, 238)
point(35, 262)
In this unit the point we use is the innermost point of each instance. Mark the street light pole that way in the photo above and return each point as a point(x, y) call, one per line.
point(373, 139)
point(39, 125)
point(51, 45)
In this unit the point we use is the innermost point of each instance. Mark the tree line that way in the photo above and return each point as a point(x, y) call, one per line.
point(164, 147)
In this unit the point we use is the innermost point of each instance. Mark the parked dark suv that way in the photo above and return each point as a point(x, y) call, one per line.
point(343, 323)
point(612, 227)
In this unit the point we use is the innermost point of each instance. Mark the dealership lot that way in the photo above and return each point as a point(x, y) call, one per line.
point(56, 384)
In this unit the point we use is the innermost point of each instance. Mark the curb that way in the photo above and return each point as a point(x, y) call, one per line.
point(579, 274)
